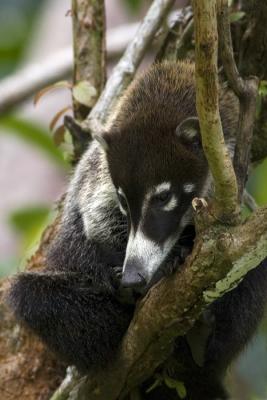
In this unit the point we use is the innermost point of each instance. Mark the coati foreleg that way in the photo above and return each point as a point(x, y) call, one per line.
point(76, 314)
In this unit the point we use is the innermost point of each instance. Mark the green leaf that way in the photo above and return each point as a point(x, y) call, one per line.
point(154, 385)
point(84, 93)
point(134, 5)
point(33, 134)
point(30, 223)
point(177, 385)
point(263, 88)
point(236, 16)
point(28, 218)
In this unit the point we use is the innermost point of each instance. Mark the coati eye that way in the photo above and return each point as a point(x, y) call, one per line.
point(163, 198)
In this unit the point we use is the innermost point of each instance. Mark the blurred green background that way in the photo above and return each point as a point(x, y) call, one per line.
point(33, 171)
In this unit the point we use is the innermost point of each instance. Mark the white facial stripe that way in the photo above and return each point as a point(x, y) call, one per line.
point(163, 187)
point(121, 193)
point(145, 250)
point(173, 202)
point(122, 209)
point(189, 187)
point(149, 253)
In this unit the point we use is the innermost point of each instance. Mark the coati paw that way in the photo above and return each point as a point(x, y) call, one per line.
point(123, 295)
point(118, 272)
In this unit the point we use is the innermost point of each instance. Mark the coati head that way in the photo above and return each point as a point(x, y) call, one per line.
point(157, 165)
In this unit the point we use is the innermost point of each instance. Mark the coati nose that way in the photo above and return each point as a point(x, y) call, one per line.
point(133, 281)
point(132, 278)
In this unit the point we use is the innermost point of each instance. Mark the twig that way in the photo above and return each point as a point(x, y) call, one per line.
point(26, 82)
point(176, 41)
point(184, 43)
point(128, 64)
point(68, 385)
point(246, 90)
point(249, 201)
point(220, 164)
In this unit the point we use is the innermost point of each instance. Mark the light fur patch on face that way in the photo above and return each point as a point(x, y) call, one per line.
point(189, 187)
point(157, 190)
point(173, 202)
point(121, 193)
point(148, 253)
point(163, 187)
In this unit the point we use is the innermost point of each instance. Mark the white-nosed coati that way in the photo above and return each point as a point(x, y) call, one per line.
point(128, 206)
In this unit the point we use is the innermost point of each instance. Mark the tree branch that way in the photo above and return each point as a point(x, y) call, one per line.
point(216, 265)
point(246, 90)
point(220, 164)
point(89, 46)
point(24, 83)
point(178, 39)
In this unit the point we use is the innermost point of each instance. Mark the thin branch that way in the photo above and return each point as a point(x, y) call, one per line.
point(220, 164)
point(177, 41)
point(128, 64)
point(246, 90)
point(67, 385)
point(184, 44)
point(249, 201)
point(26, 82)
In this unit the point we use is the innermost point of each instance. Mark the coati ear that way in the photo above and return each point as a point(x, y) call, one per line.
point(188, 132)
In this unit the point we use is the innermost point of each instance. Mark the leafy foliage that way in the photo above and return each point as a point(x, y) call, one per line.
point(134, 5)
point(33, 134)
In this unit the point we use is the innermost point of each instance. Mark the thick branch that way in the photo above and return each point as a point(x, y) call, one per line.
point(216, 265)
point(246, 90)
point(89, 44)
point(89, 47)
point(128, 64)
point(208, 109)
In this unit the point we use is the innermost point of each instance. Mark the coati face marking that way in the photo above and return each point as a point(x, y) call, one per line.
point(189, 187)
point(157, 165)
point(156, 176)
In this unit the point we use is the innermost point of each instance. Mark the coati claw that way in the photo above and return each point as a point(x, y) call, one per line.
point(118, 272)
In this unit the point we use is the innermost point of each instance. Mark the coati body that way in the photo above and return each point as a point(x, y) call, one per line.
point(127, 205)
